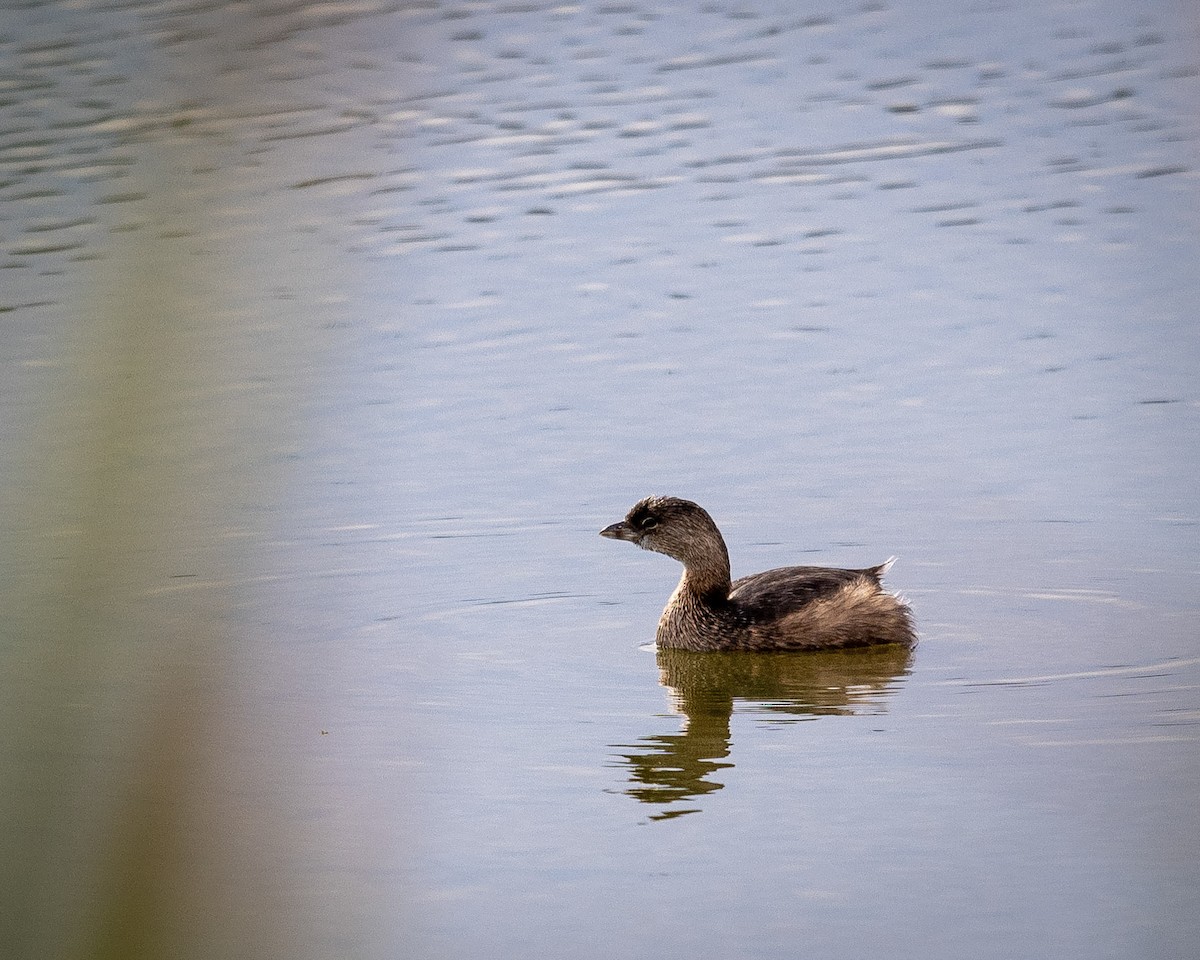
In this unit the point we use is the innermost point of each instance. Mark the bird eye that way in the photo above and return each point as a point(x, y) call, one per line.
point(648, 523)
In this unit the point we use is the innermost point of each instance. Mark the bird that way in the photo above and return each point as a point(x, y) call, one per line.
point(787, 608)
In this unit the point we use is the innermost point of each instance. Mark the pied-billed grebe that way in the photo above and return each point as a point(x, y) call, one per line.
point(789, 608)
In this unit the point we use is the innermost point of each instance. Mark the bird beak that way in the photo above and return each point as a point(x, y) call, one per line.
point(620, 531)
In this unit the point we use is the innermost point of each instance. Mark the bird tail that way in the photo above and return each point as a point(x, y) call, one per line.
point(878, 571)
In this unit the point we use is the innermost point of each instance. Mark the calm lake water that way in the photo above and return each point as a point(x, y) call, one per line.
point(332, 334)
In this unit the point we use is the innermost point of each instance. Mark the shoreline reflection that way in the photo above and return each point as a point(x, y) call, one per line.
point(668, 770)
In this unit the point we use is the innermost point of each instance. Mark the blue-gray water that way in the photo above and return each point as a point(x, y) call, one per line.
point(439, 289)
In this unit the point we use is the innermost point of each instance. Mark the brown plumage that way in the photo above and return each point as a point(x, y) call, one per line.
point(789, 608)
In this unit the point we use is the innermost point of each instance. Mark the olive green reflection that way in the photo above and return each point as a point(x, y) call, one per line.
point(667, 770)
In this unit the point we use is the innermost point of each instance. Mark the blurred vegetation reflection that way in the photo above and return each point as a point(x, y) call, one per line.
point(157, 792)
point(668, 770)
point(133, 825)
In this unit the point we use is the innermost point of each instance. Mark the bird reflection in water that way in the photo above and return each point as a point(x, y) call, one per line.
point(668, 770)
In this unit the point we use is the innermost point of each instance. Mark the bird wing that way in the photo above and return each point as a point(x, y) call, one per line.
point(775, 592)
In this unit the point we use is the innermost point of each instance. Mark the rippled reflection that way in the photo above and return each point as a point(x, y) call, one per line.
point(670, 769)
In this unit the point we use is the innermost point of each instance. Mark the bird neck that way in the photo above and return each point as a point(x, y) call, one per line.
point(707, 574)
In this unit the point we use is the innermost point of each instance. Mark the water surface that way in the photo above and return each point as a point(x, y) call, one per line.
point(410, 300)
